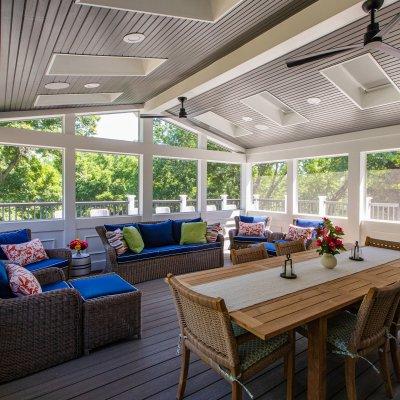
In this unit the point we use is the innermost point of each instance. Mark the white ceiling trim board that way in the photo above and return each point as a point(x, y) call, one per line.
point(199, 10)
point(310, 24)
point(44, 100)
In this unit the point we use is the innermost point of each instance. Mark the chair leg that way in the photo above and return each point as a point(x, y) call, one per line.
point(185, 358)
point(394, 349)
point(384, 364)
point(350, 372)
point(236, 391)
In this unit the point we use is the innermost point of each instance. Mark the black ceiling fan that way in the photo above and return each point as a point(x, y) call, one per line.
point(373, 39)
point(182, 111)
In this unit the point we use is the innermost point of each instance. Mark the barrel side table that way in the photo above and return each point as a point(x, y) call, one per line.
point(80, 265)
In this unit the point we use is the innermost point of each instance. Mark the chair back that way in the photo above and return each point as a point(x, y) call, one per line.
point(206, 325)
point(295, 246)
point(384, 244)
point(248, 254)
point(375, 317)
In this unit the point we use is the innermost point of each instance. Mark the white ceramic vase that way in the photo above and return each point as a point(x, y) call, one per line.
point(328, 261)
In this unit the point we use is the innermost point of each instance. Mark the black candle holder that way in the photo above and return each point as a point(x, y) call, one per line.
point(288, 269)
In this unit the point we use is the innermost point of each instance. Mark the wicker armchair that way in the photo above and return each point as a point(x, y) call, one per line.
point(252, 253)
point(207, 330)
point(158, 267)
point(295, 246)
point(354, 336)
point(395, 328)
point(39, 331)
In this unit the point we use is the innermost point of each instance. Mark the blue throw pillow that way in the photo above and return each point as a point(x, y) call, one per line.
point(157, 234)
point(177, 227)
point(5, 290)
point(114, 227)
point(13, 237)
point(309, 223)
point(254, 219)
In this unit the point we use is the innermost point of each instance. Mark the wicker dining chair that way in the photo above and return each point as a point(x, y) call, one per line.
point(354, 336)
point(395, 328)
point(252, 253)
point(291, 247)
point(237, 355)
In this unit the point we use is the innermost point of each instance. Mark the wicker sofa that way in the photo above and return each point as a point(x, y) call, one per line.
point(40, 331)
point(168, 259)
point(59, 258)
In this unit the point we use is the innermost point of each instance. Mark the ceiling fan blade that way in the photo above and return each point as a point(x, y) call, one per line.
point(154, 116)
point(393, 51)
point(384, 31)
point(319, 56)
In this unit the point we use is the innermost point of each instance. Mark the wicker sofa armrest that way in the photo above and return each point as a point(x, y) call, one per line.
point(232, 233)
point(111, 255)
point(276, 236)
point(49, 275)
point(43, 330)
point(65, 254)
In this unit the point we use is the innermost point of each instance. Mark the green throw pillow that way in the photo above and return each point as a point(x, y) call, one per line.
point(133, 239)
point(193, 233)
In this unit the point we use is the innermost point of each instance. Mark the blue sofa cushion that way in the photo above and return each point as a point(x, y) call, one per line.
point(271, 248)
point(153, 252)
point(177, 227)
point(5, 290)
point(55, 286)
point(114, 227)
point(101, 285)
point(253, 219)
point(50, 262)
point(13, 237)
point(157, 234)
point(307, 223)
point(251, 239)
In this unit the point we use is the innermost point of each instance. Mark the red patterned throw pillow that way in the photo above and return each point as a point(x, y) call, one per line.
point(25, 253)
point(212, 232)
point(251, 229)
point(22, 281)
point(298, 233)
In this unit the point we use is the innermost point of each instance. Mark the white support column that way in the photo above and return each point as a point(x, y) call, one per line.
point(246, 189)
point(322, 206)
point(146, 175)
point(291, 189)
point(202, 177)
point(356, 199)
point(69, 188)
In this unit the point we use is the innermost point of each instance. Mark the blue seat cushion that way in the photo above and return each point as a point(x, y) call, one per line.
point(177, 227)
point(271, 248)
point(5, 290)
point(13, 237)
point(101, 285)
point(50, 262)
point(253, 219)
point(157, 234)
point(308, 223)
point(153, 252)
point(114, 227)
point(55, 286)
point(250, 239)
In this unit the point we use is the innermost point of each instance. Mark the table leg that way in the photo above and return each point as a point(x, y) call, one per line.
point(316, 380)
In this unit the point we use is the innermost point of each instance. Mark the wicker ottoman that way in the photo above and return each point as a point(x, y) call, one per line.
point(111, 309)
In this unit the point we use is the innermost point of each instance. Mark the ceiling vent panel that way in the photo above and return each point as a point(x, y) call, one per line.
point(201, 10)
point(83, 65)
point(46, 100)
point(221, 124)
point(272, 108)
point(363, 81)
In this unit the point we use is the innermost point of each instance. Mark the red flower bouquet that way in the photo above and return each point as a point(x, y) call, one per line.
point(329, 238)
point(78, 245)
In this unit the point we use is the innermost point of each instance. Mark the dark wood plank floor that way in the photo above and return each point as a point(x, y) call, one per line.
point(149, 369)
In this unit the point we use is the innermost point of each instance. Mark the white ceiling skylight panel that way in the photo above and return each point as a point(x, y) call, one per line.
point(64, 99)
point(221, 124)
point(86, 65)
point(272, 108)
point(363, 81)
point(201, 10)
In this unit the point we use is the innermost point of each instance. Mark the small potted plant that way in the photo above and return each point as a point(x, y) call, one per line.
point(329, 242)
point(78, 245)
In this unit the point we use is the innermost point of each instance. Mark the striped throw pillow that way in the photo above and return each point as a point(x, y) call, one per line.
point(116, 240)
point(212, 232)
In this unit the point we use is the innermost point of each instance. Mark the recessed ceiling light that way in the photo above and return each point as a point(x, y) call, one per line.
point(134, 38)
point(261, 127)
point(314, 101)
point(247, 119)
point(92, 85)
point(56, 85)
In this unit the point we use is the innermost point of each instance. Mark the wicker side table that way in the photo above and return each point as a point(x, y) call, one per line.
point(80, 265)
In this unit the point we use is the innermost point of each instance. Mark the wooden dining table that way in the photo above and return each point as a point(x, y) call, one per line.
point(311, 306)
